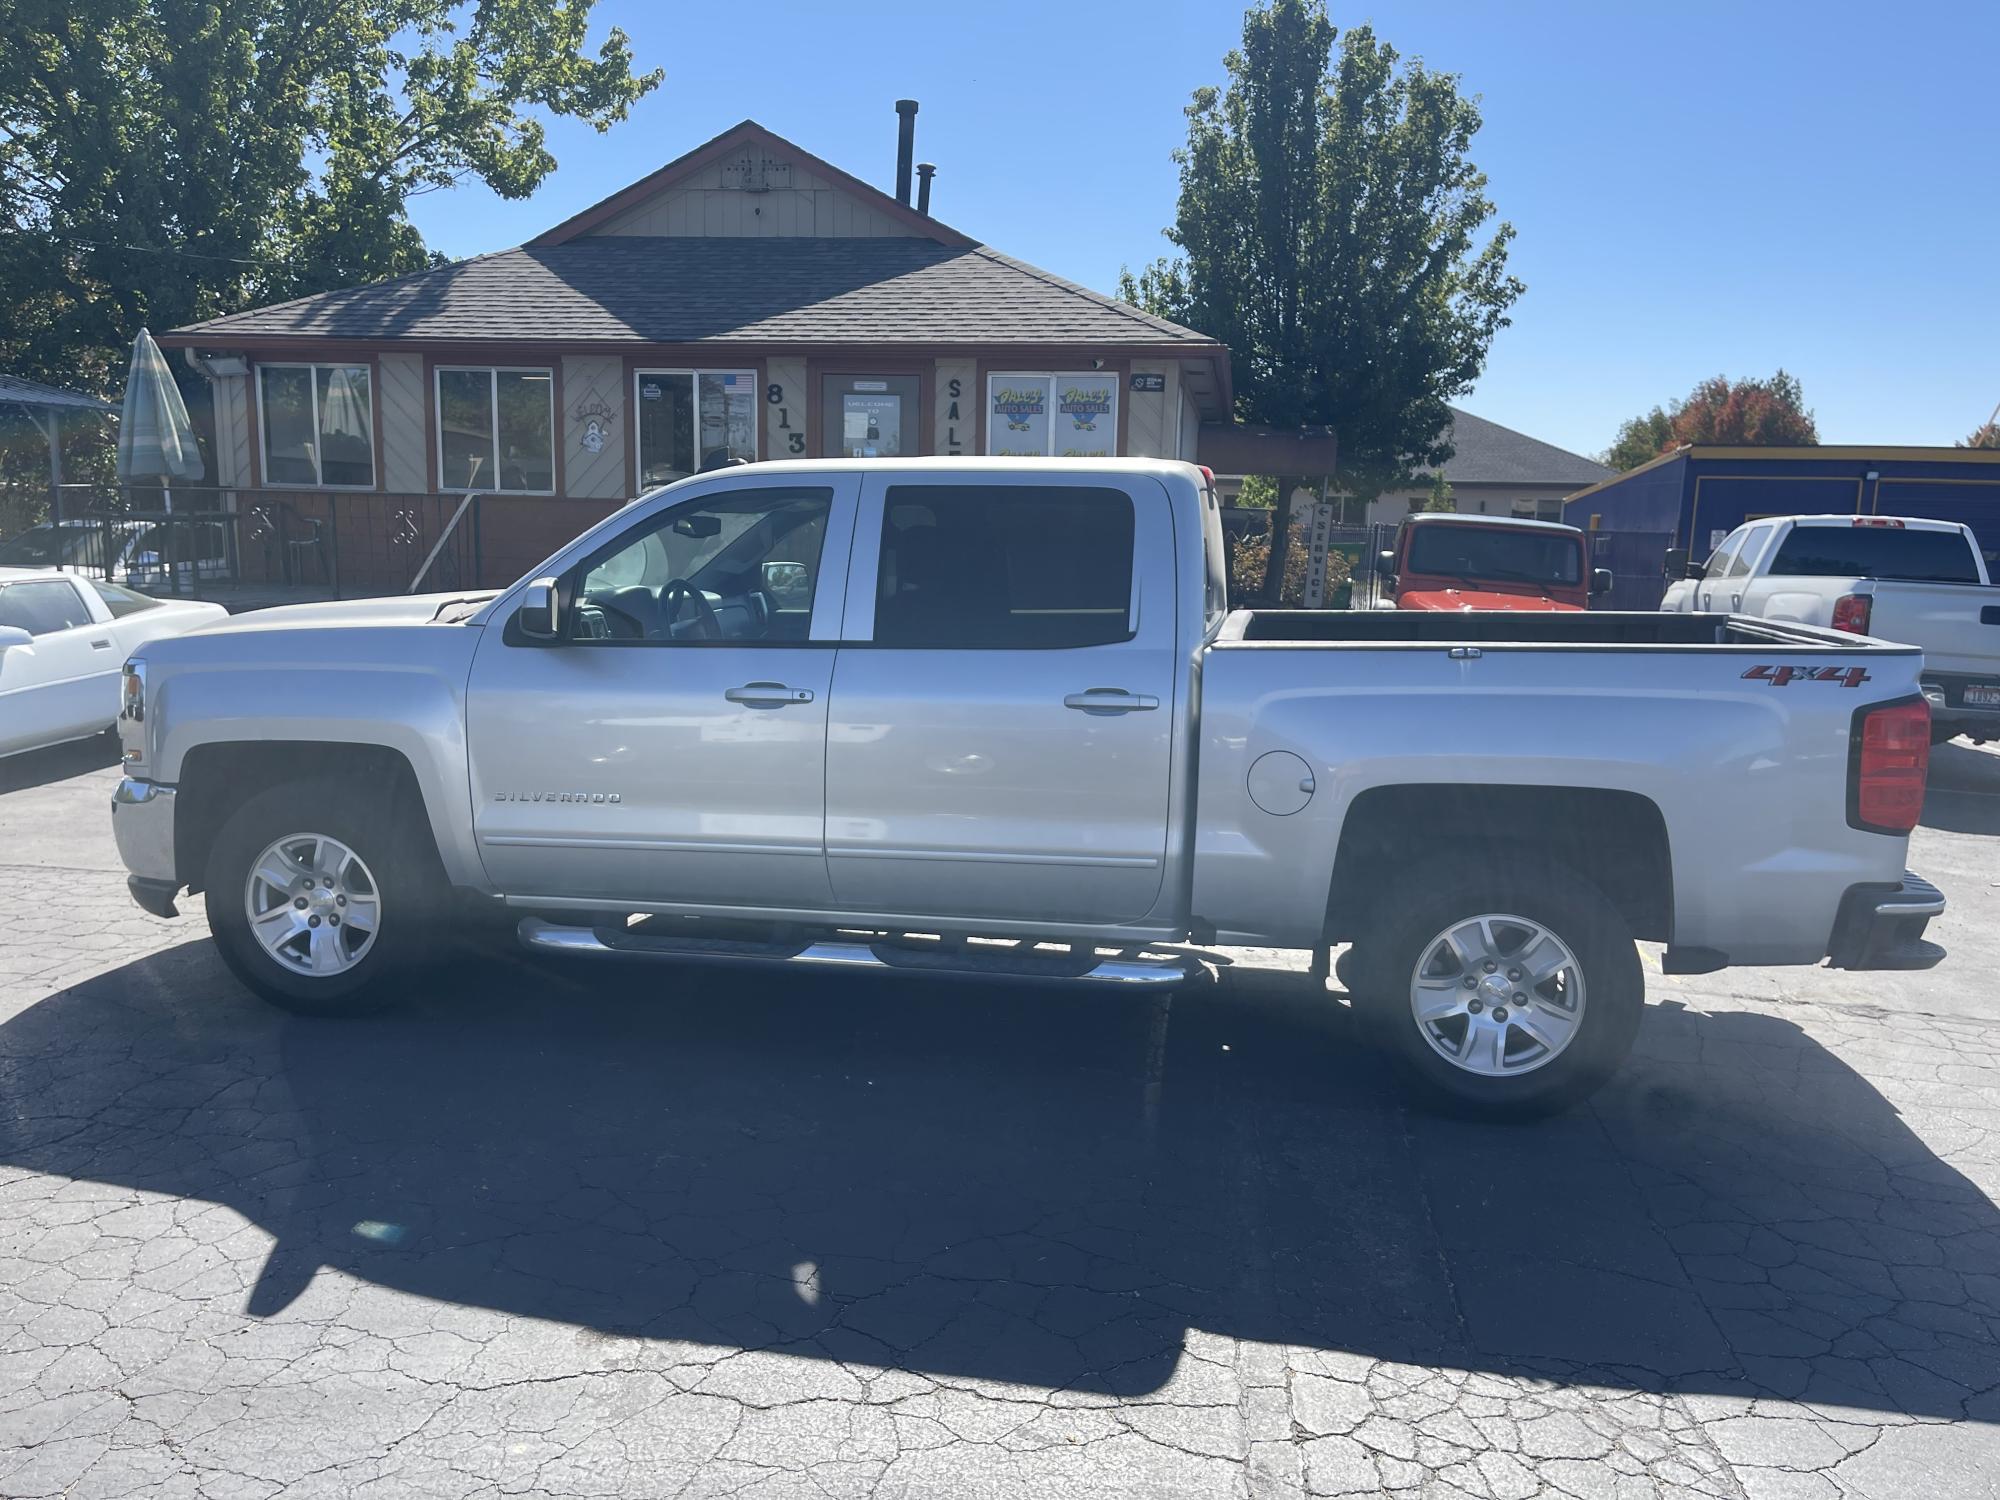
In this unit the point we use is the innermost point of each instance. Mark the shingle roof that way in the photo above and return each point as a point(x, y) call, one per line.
point(13, 388)
point(627, 288)
point(1491, 454)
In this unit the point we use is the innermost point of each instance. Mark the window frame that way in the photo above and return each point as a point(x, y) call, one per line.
point(313, 367)
point(493, 374)
point(570, 580)
point(693, 374)
point(1725, 552)
point(1116, 414)
point(89, 618)
point(872, 580)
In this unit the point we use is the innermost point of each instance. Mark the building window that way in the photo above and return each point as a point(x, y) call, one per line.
point(1050, 414)
point(690, 420)
point(1538, 510)
point(496, 430)
point(318, 425)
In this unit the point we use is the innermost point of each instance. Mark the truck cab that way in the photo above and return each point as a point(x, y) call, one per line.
point(1447, 562)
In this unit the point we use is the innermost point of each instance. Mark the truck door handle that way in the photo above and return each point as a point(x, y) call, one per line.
point(1735, 601)
point(768, 695)
point(100, 645)
point(1110, 701)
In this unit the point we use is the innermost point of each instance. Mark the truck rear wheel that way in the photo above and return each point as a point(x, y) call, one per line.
point(1509, 993)
point(316, 897)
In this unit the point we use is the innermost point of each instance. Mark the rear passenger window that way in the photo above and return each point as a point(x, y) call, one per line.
point(1000, 567)
point(1753, 543)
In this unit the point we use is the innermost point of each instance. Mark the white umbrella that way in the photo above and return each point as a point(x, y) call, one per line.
point(155, 438)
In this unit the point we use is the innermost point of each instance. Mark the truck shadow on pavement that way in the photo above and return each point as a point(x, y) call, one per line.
point(1033, 1186)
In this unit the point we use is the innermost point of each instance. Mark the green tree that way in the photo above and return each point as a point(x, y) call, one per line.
point(1440, 498)
point(1333, 233)
point(163, 161)
point(1641, 439)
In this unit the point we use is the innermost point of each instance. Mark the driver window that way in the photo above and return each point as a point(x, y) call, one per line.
point(1719, 561)
point(740, 566)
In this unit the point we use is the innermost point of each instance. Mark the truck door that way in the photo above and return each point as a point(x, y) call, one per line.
point(1709, 591)
point(1001, 737)
point(671, 748)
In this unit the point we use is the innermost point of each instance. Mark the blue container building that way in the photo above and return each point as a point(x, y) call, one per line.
point(1694, 497)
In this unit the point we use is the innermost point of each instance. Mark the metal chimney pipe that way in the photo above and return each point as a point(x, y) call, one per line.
point(925, 172)
point(906, 146)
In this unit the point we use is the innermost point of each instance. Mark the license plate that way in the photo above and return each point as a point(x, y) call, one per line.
point(1981, 695)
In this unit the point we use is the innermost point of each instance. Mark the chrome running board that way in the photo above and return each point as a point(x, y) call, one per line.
point(972, 960)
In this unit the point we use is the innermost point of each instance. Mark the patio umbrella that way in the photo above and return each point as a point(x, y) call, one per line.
point(155, 438)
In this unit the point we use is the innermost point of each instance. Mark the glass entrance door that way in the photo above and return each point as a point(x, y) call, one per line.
point(870, 416)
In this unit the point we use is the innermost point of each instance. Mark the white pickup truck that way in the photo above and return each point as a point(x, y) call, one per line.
point(1898, 578)
point(994, 716)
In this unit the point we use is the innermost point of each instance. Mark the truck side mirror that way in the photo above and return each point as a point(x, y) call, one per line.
point(540, 616)
point(14, 635)
point(1675, 563)
point(1600, 581)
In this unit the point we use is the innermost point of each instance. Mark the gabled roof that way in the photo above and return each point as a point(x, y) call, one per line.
point(746, 134)
point(1488, 453)
point(775, 293)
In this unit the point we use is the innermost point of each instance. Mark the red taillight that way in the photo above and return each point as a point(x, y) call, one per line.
point(1891, 759)
point(1851, 611)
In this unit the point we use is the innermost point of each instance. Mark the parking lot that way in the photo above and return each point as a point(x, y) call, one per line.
point(701, 1232)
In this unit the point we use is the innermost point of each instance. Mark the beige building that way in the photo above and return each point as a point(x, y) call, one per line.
point(748, 300)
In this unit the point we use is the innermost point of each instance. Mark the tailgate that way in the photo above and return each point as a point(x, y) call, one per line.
point(1956, 624)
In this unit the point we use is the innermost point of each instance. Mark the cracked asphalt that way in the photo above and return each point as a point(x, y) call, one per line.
point(585, 1232)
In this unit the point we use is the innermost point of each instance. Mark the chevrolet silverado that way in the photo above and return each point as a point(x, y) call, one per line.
point(995, 717)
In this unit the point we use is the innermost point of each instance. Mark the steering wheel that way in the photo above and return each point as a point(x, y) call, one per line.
point(680, 591)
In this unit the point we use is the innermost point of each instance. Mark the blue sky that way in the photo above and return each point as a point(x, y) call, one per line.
point(1698, 188)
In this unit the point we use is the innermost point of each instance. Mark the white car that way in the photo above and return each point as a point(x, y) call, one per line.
point(63, 638)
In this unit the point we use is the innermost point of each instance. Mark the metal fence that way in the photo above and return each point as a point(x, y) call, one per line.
point(1637, 560)
point(213, 540)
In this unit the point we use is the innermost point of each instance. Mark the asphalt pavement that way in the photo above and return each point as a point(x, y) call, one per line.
point(607, 1231)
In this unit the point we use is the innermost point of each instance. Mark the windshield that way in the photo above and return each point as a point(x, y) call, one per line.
point(1499, 553)
point(1876, 552)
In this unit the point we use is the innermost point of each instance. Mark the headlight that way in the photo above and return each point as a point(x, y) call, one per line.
point(132, 712)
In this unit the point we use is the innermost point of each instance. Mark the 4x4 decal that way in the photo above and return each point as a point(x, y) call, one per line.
point(1780, 676)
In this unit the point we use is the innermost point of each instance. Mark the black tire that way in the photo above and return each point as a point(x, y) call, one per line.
point(393, 844)
point(1437, 894)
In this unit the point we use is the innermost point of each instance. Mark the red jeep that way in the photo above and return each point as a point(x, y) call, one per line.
point(1445, 561)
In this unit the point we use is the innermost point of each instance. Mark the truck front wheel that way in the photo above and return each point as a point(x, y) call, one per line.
point(315, 897)
point(1510, 992)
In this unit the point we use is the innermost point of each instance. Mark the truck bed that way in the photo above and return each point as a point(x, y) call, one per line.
point(1378, 628)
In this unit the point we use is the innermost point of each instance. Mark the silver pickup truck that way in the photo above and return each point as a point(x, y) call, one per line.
point(1898, 578)
point(996, 717)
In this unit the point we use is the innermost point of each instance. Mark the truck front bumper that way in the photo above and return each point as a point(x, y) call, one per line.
point(1882, 926)
point(142, 821)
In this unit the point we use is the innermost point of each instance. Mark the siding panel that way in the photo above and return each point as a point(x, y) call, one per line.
point(957, 416)
point(1148, 431)
point(791, 413)
point(592, 383)
point(232, 429)
point(400, 409)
